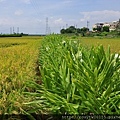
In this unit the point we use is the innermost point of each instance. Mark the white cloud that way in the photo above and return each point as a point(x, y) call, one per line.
point(100, 15)
point(2, 0)
point(67, 1)
point(59, 21)
point(6, 21)
point(26, 1)
point(82, 20)
point(18, 12)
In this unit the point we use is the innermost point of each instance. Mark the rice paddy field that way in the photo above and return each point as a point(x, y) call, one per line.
point(75, 77)
point(114, 43)
point(18, 58)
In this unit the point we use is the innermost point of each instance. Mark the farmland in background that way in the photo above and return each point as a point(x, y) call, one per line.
point(114, 43)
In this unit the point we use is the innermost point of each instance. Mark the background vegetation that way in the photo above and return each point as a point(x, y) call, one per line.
point(99, 31)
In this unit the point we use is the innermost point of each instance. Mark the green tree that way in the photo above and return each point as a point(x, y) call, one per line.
point(105, 29)
point(99, 28)
point(71, 29)
point(84, 29)
point(94, 29)
point(78, 30)
point(68, 30)
point(62, 31)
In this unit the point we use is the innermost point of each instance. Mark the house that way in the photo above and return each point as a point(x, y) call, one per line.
point(106, 24)
point(97, 26)
point(112, 25)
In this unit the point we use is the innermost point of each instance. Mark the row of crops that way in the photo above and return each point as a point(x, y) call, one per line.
point(75, 79)
point(5, 45)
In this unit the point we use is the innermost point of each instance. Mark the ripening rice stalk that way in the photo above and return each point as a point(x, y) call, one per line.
point(17, 65)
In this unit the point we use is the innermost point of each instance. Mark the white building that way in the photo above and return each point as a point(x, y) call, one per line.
point(97, 25)
point(112, 25)
point(106, 24)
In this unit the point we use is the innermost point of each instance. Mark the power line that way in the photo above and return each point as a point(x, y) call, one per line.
point(34, 5)
point(36, 8)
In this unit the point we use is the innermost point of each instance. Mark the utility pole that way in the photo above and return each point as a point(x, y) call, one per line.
point(47, 26)
point(13, 30)
point(66, 26)
point(88, 24)
point(49, 30)
point(76, 26)
point(17, 30)
point(10, 30)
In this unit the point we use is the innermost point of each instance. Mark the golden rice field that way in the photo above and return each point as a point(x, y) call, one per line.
point(114, 43)
point(18, 57)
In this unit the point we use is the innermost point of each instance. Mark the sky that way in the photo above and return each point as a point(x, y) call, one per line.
point(29, 16)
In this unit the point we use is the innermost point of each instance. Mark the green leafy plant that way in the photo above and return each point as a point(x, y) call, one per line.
point(75, 79)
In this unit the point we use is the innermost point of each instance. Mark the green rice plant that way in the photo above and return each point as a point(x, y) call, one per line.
point(75, 79)
point(98, 81)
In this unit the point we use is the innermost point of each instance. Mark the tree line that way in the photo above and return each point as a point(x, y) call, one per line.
point(102, 29)
point(73, 29)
